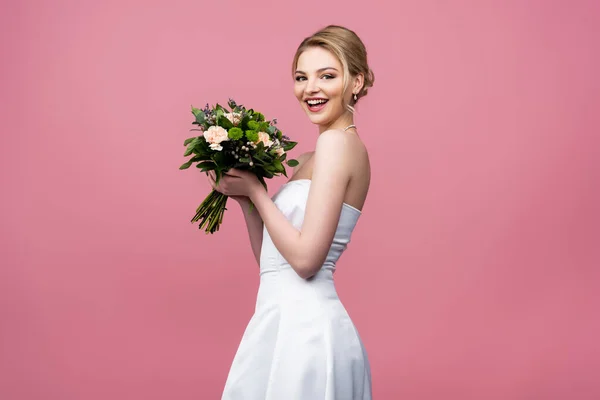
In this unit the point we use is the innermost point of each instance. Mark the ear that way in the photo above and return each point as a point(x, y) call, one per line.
point(359, 81)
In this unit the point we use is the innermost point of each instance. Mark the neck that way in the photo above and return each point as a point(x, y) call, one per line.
point(343, 121)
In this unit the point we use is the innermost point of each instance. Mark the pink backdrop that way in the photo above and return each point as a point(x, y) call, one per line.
point(473, 273)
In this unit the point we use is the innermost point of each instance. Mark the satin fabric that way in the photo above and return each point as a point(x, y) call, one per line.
point(300, 344)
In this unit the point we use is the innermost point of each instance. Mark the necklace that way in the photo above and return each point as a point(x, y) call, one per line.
point(349, 126)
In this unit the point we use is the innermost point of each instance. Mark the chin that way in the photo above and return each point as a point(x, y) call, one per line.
point(318, 120)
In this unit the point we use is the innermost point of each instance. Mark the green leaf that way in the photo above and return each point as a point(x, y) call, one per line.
point(289, 145)
point(189, 140)
point(224, 122)
point(190, 149)
point(200, 157)
point(244, 123)
point(278, 165)
point(221, 108)
point(200, 119)
point(292, 163)
point(219, 158)
point(271, 168)
point(206, 166)
point(200, 116)
point(186, 165)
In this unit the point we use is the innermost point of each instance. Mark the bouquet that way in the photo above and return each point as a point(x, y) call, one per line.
point(238, 138)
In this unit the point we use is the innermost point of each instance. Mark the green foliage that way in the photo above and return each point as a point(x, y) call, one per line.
point(289, 145)
point(235, 133)
point(278, 165)
point(206, 166)
point(251, 136)
point(263, 127)
point(224, 122)
point(186, 165)
point(200, 116)
point(265, 162)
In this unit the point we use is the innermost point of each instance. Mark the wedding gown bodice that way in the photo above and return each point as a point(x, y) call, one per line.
point(291, 200)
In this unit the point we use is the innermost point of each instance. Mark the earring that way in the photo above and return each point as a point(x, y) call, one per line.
point(355, 98)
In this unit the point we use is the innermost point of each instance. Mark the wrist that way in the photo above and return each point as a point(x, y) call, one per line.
point(256, 192)
point(241, 199)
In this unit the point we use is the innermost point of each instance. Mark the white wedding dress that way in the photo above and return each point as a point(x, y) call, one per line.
point(300, 344)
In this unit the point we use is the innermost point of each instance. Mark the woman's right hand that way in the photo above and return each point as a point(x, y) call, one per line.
point(240, 199)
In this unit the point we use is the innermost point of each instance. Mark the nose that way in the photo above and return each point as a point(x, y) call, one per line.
point(311, 86)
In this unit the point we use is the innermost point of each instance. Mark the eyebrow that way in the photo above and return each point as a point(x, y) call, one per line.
point(319, 70)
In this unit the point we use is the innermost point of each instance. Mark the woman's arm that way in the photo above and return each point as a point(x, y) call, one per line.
point(254, 224)
point(306, 250)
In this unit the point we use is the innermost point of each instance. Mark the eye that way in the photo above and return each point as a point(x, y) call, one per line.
point(328, 76)
point(299, 78)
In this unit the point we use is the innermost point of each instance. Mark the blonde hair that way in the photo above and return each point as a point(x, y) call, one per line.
point(350, 51)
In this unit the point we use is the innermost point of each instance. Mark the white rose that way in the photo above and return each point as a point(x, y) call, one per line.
point(215, 135)
point(265, 138)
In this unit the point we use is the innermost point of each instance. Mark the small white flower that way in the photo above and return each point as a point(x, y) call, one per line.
point(216, 146)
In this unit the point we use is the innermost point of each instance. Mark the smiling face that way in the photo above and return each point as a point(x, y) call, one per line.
point(319, 86)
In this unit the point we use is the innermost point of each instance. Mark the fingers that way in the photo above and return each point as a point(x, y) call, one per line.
point(212, 181)
point(233, 172)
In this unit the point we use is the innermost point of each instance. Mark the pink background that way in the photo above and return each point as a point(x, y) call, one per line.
point(473, 273)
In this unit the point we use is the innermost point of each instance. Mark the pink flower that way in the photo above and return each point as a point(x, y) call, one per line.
point(214, 135)
point(280, 151)
point(235, 118)
point(265, 138)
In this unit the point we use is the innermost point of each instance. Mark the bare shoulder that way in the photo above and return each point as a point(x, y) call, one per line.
point(349, 143)
point(347, 152)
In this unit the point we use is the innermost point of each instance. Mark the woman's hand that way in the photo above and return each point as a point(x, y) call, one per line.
point(237, 184)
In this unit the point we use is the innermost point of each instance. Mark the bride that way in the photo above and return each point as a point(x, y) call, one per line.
point(301, 343)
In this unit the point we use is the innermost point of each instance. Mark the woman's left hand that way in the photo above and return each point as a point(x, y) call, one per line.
point(236, 182)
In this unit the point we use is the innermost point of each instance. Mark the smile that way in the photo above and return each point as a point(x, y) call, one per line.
point(316, 104)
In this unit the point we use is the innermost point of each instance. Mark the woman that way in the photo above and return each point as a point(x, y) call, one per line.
point(300, 343)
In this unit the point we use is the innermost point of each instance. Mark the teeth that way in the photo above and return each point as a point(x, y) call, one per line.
point(315, 102)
